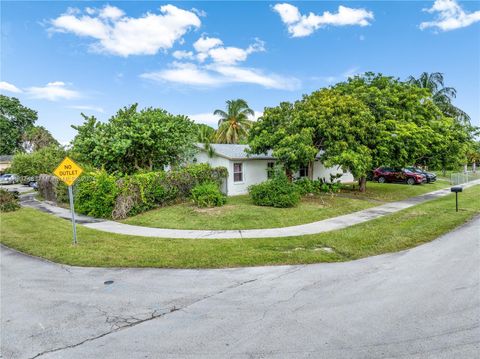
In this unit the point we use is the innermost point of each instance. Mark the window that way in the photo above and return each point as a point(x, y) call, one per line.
point(238, 172)
point(303, 171)
point(270, 169)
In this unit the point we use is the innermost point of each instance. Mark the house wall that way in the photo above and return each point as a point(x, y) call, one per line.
point(254, 171)
point(320, 171)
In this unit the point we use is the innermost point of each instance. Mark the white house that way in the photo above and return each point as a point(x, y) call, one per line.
point(245, 169)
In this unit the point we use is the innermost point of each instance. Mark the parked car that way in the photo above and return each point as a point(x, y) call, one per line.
point(431, 177)
point(8, 178)
point(389, 174)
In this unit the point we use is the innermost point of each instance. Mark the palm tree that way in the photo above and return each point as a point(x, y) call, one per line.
point(442, 96)
point(233, 125)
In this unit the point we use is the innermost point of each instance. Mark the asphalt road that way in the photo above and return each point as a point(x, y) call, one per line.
point(420, 303)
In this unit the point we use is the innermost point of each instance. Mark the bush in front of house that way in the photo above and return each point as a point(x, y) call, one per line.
point(100, 194)
point(307, 186)
point(275, 192)
point(8, 201)
point(95, 194)
point(208, 195)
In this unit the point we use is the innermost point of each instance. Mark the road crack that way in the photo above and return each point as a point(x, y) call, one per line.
point(118, 323)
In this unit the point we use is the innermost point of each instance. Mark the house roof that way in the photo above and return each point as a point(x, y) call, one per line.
point(6, 158)
point(236, 152)
point(239, 152)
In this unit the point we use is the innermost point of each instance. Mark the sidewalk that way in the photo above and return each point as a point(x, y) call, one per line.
point(325, 225)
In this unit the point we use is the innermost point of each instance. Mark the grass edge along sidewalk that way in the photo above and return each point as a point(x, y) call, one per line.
point(46, 236)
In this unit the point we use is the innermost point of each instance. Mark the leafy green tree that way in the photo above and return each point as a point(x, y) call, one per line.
point(233, 125)
point(38, 137)
point(43, 161)
point(442, 96)
point(360, 124)
point(15, 120)
point(135, 140)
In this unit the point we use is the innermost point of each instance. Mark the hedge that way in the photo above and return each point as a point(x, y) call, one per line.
point(103, 195)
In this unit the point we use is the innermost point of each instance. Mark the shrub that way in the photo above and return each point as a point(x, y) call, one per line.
point(305, 186)
point(95, 194)
point(45, 160)
point(52, 189)
point(102, 195)
point(208, 195)
point(275, 192)
point(8, 201)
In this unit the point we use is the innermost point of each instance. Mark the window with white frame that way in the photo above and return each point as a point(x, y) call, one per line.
point(238, 172)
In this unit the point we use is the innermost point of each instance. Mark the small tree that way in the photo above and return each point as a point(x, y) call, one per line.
point(15, 120)
point(134, 140)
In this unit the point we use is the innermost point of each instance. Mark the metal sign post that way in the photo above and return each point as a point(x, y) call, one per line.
point(68, 171)
point(72, 209)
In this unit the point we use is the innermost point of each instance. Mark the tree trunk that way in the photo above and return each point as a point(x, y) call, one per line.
point(362, 184)
point(474, 167)
point(444, 171)
point(289, 174)
point(310, 170)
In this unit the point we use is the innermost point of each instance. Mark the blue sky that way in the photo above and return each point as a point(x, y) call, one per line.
point(62, 58)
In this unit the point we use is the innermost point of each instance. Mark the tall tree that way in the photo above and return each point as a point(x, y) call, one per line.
point(442, 96)
point(233, 125)
point(134, 140)
point(360, 124)
point(15, 120)
point(36, 138)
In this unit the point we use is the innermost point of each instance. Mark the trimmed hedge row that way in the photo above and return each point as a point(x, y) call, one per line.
point(103, 195)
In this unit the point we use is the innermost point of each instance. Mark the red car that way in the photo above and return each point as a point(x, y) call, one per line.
point(388, 174)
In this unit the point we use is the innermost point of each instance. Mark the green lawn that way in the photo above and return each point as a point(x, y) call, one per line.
point(241, 213)
point(389, 192)
point(44, 235)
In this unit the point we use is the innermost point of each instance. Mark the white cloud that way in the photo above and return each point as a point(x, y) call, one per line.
point(203, 44)
point(53, 91)
point(117, 34)
point(8, 87)
point(181, 54)
point(217, 75)
point(184, 73)
point(299, 25)
point(212, 47)
point(450, 16)
point(87, 108)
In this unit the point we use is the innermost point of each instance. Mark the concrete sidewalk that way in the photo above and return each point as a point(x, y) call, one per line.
point(326, 225)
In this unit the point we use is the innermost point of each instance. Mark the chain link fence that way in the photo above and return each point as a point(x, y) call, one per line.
point(457, 178)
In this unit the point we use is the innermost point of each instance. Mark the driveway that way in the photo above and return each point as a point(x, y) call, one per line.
point(420, 303)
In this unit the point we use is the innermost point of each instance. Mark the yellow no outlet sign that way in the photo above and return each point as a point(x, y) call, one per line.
point(68, 171)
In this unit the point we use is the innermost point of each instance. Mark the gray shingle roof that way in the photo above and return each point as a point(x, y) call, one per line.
point(236, 152)
point(6, 158)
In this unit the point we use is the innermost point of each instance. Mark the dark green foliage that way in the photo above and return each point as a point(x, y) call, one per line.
point(38, 137)
point(276, 192)
point(8, 201)
point(15, 120)
point(95, 194)
point(208, 195)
